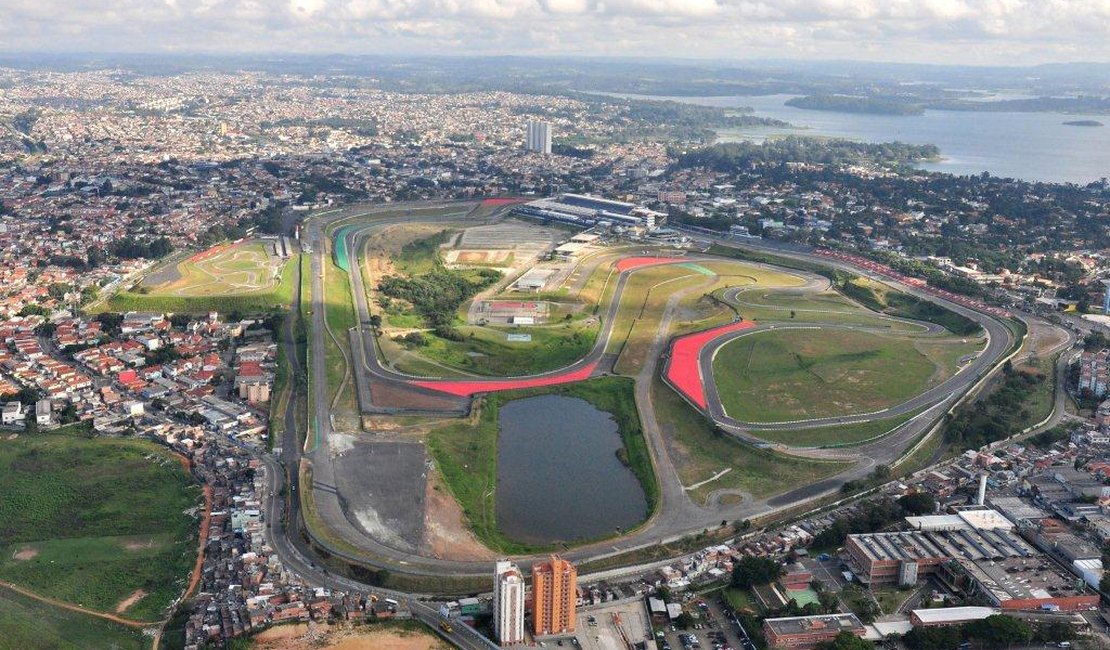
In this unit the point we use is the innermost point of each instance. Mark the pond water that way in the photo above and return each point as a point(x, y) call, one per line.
point(558, 474)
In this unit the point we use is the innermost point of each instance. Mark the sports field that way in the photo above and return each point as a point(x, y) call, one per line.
point(243, 276)
point(783, 375)
point(100, 523)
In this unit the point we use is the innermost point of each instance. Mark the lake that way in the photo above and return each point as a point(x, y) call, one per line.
point(558, 475)
point(1030, 146)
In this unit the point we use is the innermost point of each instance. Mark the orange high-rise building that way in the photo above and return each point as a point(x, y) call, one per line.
point(554, 596)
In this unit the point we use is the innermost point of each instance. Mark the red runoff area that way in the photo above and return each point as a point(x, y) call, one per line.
point(629, 263)
point(468, 388)
point(684, 369)
point(500, 201)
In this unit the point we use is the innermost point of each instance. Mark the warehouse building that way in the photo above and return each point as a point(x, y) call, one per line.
point(975, 553)
point(803, 632)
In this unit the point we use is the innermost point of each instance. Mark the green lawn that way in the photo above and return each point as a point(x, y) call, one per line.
point(840, 435)
point(739, 599)
point(486, 350)
point(28, 623)
point(1041, 401)
point(786, 375)
point(466, 453)
point(890, 598)
point(339, 313)
point(91, 521)
point(920, 458)
point(700, 452)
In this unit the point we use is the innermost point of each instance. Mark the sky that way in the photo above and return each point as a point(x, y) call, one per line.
point(976, 32)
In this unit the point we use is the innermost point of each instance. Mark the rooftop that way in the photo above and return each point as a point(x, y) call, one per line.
point(953, 614)
point(804, 624)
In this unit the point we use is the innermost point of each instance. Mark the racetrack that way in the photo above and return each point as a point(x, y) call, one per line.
point(677, 515)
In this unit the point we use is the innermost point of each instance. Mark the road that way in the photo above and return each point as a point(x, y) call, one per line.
point(677, 517)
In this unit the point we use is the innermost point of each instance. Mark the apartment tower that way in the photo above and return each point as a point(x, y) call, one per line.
point(554, 596)
point(538, 137)
point(508, 604)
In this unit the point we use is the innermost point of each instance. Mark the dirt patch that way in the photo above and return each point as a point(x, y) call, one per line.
point(126, 603)
point(302, 636)
point(135, 545)
point(446, 534)
point(384, 244)
point(281, 633)
point(387, 640)
point(25, 553)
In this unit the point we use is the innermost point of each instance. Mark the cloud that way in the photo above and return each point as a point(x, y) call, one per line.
point(985, 31)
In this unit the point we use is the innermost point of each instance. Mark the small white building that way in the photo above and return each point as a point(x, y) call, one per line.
point(44, 412)
point(13, 413)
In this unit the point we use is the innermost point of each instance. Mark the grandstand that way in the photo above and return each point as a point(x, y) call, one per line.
point(586, 211)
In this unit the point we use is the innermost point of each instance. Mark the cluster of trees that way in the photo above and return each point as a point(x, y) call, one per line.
point(903, 305)
point(219, 232)
point(869, 517)
point(856, 104)
point(845, 641)
point(269, 220)
point(717, 221)
point(437, 295)
point(752, 571)
point(130, 248)
point(1001, 415)
point(998, 631)
point(937, 278)
point(731, 157)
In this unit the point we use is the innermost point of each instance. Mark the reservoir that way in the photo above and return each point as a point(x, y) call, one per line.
point(558, 475)
point(1029, 146)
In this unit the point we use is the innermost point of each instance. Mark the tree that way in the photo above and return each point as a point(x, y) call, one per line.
point(28, 395)
point(918, 503)
point(845, 641)
point(828, 601)
point(68, 413)
point(999, 631)
point(1053, 631)
point(943, 637)
point(375, 321)
point(684, 620)
point(751, 571)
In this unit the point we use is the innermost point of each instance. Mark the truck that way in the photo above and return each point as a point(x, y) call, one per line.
point(446, 627)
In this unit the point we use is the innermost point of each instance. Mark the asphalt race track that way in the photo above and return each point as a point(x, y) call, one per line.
point(676, 516)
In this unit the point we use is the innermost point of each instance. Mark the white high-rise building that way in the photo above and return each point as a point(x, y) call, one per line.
point(539, 137)
point(508, 604)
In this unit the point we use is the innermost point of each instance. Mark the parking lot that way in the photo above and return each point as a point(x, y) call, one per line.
point(714, 629)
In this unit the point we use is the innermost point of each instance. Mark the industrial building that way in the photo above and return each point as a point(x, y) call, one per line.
point(803, 632)
point(974, 552)
point(940, 616)
point(554, 597)
point(508, 604)
point(587, 211)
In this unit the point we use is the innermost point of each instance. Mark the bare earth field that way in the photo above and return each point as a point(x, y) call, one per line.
point(301, 636)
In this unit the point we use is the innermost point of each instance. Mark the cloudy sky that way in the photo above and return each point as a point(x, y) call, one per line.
point(944, 31)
